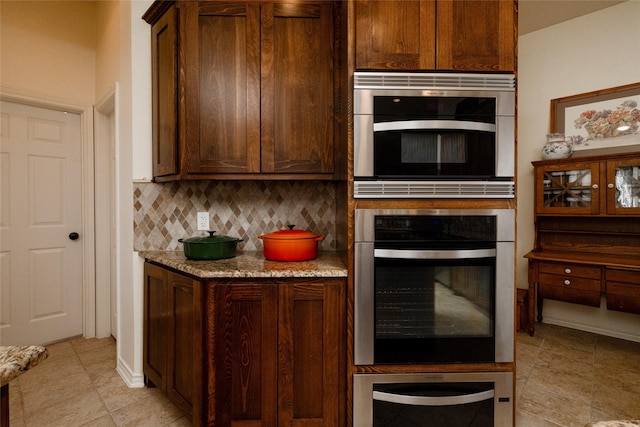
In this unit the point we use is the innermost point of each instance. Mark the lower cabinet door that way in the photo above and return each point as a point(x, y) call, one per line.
point(172, 343)
point(279, 353)
point(310, 344)
point(243, 341)
point(156, 324)
point(185, 344)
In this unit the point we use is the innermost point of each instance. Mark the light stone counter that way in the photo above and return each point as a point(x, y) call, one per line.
point(250, 264)
point(15, 360)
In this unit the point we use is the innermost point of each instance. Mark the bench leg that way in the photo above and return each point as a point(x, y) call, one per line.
point(4, 406)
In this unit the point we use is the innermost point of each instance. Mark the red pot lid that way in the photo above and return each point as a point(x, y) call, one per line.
point(291, 234)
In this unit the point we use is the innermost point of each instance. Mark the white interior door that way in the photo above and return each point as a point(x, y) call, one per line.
point(41, 293)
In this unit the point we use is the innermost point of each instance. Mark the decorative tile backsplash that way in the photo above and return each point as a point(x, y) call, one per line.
point(165, 212)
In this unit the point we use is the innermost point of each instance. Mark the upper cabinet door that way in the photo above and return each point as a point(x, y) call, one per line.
point(476, 35)
point(623, 187)
point(164, 57)
point(453, 35)
point(570, 189)
point(221, 52)
point(297, 88)
point(395, 34)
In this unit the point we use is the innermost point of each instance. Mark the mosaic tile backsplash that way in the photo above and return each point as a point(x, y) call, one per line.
point(166, 212)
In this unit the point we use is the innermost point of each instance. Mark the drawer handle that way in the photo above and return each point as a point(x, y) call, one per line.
point(567, 270)
point(567, 282)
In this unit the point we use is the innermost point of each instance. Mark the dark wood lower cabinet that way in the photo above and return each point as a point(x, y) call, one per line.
point(247, 352)
point(279, 353)
point(172, 343)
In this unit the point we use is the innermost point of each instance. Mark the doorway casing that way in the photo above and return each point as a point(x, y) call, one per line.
point(90, 319)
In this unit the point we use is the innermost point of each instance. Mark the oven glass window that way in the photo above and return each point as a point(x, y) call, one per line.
point(434, 153)
point(448, 413)
point(417, 301)
point(434, 310)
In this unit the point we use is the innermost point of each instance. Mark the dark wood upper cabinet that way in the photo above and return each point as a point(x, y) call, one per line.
point(222, 87)
point(436, 35)
point(164, 58)
point(257, 89)
point(395, 35)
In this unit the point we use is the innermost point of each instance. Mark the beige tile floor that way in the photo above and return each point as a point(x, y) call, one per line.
point(568, 378)
point(565, 378)
point(77, 385)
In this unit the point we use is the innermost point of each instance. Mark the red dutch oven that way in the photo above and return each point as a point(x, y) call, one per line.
point(290, 245)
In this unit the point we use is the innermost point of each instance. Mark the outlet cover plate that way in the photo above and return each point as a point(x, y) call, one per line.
point(203, 220)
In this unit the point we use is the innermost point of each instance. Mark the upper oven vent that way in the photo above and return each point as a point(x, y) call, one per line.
point(434, 189)
point(373, 80)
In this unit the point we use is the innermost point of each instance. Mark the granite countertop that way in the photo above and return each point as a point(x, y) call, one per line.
point(15, 360)
point(250, 264)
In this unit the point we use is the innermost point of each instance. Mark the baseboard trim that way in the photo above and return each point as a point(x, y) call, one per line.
point(132, 380)
point(590, 328)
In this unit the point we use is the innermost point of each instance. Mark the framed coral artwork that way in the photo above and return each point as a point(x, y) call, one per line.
point(600, 119)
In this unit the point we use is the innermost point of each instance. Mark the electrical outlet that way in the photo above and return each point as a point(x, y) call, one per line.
point(203, 220)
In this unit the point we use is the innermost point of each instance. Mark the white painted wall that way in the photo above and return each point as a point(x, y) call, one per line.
point(133, 154)
point(596, 51)
point(47, 49)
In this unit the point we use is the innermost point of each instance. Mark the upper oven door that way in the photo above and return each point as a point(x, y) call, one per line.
point(428, 149)
point(421, 134)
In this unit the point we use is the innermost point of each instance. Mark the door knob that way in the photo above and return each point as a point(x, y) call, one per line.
point(74, 236)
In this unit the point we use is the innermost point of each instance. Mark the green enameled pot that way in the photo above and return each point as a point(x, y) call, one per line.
point(210, 247)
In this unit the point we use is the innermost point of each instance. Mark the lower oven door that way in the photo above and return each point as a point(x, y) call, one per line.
point(451, 399)
point(420, 306)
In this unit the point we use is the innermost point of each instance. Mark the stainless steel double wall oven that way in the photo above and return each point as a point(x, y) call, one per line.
point(433, 286)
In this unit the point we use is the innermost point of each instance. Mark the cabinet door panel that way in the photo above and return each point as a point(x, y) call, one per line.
point(245, 355)
point(184, 348)
point(476, 35)
point(164, 57)
point(623, 187)
point(223, 88)
point(572, 189)
point(310, 349)
point(395, 34)
point(156, 319)
point(297, 88)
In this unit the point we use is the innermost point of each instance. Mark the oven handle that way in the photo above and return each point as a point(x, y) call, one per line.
point(433, 400)
point(433, 124)
point(434, 254)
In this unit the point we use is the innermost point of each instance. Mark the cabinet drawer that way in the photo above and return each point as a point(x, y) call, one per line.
point(569, 282)
point(574, 290)
point(623, 290)
point(573, 270)
point(631, 277)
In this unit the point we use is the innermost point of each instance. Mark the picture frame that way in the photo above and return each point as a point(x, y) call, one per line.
point(599, 119)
